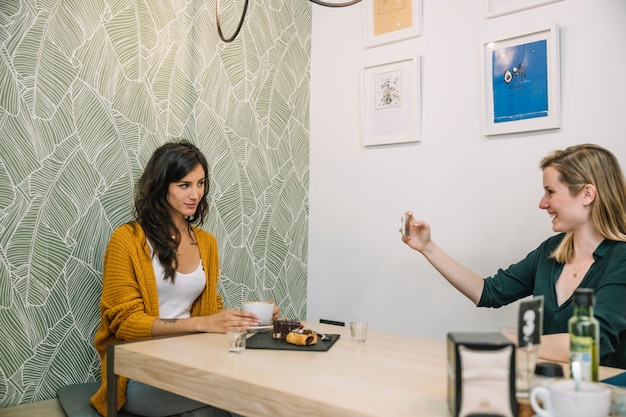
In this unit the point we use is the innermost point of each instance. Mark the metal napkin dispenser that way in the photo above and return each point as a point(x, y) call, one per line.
point(481, 375)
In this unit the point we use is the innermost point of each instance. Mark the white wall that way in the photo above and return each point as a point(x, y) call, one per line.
point(479, 194)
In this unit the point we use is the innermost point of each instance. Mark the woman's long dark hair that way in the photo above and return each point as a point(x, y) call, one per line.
point(169, 163)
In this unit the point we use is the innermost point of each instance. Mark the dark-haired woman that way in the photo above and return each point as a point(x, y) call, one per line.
point(160, 276)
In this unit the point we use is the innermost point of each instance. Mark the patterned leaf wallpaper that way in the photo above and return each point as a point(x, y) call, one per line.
point(88, 89)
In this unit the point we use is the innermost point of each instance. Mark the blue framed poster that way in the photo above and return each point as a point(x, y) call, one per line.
point(521, 80)
point(519, 77)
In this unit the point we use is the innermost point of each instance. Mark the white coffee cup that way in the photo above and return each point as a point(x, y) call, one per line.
point(262, 309)
point(560, 399)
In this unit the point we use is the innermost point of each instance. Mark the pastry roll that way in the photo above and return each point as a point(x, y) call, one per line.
point(302, 338)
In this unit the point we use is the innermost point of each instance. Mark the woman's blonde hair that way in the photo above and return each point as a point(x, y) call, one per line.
point(584, 164)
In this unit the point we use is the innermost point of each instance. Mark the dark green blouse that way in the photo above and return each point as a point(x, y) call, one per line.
point(537, 275)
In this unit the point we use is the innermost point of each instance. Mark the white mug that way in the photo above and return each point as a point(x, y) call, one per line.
point(263, 310)
point(560, 399)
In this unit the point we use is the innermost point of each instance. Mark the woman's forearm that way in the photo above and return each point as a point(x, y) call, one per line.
point(220, 322)
point(166, 327)
point(464, 280)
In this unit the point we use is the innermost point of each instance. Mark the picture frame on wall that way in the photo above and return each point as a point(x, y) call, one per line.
point(521, 82)
point(495, 8)
point(391, 102)
point(386, 21)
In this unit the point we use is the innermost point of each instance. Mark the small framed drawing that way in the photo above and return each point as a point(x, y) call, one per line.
point(495, 8)
point(521, 83)
point(387, 21)
point(391, 102)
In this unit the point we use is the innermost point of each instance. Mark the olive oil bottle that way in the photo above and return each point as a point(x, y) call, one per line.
point(584, 335)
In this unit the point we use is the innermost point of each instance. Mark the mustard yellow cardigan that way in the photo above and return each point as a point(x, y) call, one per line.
point(130, 303)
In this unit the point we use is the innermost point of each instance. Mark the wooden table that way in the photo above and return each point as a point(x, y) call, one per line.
point(386, 376)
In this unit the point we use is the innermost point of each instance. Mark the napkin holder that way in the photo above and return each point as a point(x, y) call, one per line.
point(481, 375)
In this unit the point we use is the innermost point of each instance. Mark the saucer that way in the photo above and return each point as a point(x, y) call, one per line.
point(259, 328)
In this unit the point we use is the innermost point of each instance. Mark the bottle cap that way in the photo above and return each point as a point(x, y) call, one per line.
point(583, 297)
point(549, 369)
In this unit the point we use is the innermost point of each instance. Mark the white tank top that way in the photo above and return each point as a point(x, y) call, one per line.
point(175, 299)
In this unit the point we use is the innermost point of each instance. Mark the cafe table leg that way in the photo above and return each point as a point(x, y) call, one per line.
point(111, 382)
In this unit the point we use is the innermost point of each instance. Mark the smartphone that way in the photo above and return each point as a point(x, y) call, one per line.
point(406, 224)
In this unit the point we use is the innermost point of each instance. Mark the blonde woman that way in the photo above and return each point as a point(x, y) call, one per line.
point(585, 196)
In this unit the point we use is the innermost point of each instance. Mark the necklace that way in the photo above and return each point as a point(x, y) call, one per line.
point(581, 267)
point(192, 240)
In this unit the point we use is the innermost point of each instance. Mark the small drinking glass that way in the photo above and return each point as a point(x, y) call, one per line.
point(236, 341)
point(618, 401)
point(358, 330)
point(526, 358)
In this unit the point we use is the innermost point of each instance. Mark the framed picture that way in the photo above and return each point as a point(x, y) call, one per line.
point(391, 102)
point(386, 21)
point(521, 83)
point(495, 8)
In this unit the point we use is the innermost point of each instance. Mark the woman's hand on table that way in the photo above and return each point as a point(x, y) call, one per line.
point(230, 320)
point(222, 322)
point(226, 320)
